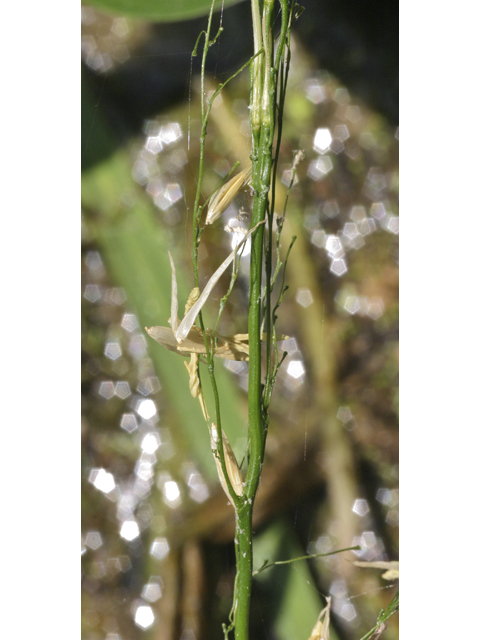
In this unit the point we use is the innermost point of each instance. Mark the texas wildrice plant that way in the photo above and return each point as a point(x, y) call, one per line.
point(189, 336)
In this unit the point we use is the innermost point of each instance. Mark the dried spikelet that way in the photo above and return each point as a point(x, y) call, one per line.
point(321, 630)
point(192, 298)
point(192, 368)
point(229, 348)
point(226, 194)
point(299, 156)
point(240, 231)
point(392, 567)
point(231, 464)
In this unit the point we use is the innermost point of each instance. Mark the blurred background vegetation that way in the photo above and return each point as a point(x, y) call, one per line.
point(157, 532)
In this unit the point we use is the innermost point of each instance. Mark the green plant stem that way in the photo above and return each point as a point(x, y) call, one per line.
point(256, 441)
point(244, 558)
point(262, 141)
point(197, 231)
point(261, 174)
point(264, 75)
point(196, 239)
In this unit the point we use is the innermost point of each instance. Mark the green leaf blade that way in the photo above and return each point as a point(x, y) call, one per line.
point(159, 10)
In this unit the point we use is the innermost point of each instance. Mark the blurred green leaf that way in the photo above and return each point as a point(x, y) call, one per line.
point(160, 10)
point(124, 224)
point(294, 602)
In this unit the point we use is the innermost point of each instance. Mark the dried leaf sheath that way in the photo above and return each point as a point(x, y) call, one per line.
point(194, 380)
point(174, 321)
point(231, 464)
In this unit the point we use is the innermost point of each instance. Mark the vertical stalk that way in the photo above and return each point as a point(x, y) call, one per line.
point(256, 441)
point(262, 140)
point(261, 174)
point(256, 70)
point(264, 77)
point(244, 559)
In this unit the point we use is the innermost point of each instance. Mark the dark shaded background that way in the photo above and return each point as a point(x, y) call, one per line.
point(356, 41)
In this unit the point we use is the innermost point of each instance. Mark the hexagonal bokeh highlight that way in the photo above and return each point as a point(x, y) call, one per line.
point(318, 169)
point(93, 261)
point(295, 369)
point(93, 540)
point(129, 322)
point(393, 224)
point(315, 91)
point(115, 296)
point(304, 297)
point(171, 132)
point(144, 617)
point(173, 192)
point(360, 507)
point(122, 389)
point(144, 470)
point(146, 409)
point(348, 612)
point(344, 414)
point(106, 389)
point(378, 211)
point(287, 177)
point(154, 144)
point(92, 293)
point(375, 308)
point(138, 346)
point(171, 493)
point(102, 480)
point(352, 305)
point(150, 442)
point(113, 350)
point(334, 246)
point(353, 113)
point(322, 140)
point(129, 530)
point(129, 422)
point(341, 95)
point(160, 548)
point(318, 238)
point(338, 267)
point(198, 489)
point(152, 591)
point(331, 209)
point(350, 230)
point(341, 132)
